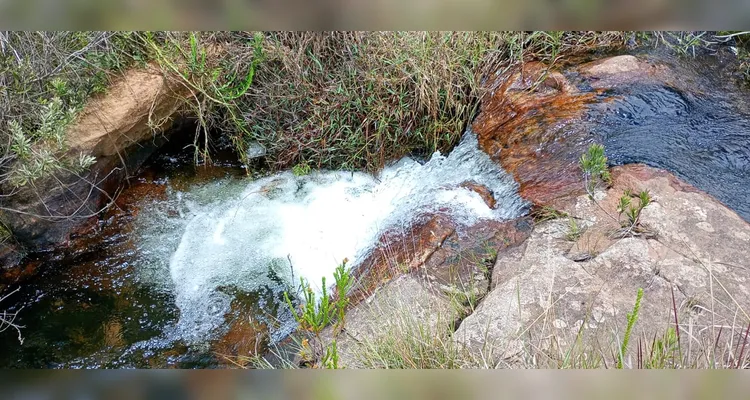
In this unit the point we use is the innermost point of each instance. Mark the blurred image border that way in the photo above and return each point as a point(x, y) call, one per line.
point(319, 384)
point(373, 14)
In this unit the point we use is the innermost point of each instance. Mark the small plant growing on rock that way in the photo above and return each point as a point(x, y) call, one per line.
point(594, 166)
point(574, 231)
point(632, 318)
point(632, 224)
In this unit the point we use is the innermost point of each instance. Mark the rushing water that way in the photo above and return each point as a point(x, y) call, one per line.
point(188, 254)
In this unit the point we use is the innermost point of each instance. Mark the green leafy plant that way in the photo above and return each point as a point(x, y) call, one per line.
point(343, 284)
point(632, 211)
point(632, 318)
point(594, 166)
point(301, 169)
point(315, 314)
point(331, 356)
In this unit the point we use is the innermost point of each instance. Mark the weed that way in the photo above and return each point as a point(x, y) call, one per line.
point(316, 314)
point(632, 318)
point(301, 169)
point(547, 213)
point(632, 212)
point(574, 231)
point(594, 166)
point(343, 284)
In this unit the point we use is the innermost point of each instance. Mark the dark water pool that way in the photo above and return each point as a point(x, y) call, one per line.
point(698, 129)
point(87, 306)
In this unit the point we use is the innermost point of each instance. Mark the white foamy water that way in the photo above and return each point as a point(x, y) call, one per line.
point(248, 233)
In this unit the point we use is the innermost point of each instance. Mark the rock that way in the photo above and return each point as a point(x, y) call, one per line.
point(532, 126)
point(542, 298)
point(255, 150)
point(536, 122)
point(483, 191)
point(118, 128)
point(623, 70)
point(432, 276)
point(134, 107)
point(402, 305)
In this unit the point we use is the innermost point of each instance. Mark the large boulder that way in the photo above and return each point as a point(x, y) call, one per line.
point(688, 117)
point(690, 258)
point(426, 281)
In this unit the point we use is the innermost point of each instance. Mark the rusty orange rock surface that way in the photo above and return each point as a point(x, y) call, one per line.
point(530, 123)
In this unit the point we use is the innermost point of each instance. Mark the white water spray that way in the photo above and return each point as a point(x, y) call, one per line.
point(315, 222)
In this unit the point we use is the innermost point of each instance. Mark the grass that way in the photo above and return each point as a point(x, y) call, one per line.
point(45, 80)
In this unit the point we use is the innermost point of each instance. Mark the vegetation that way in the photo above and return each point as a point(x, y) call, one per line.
point(632, 318)
point(594, 166)
point(8, 318)
point(632, 226)
point(316, 314)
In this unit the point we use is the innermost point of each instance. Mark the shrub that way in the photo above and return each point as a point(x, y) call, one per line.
point(594, 166)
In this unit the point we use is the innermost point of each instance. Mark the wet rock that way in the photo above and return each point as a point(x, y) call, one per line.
point(540, 292)
point(483, 191)
point(244, 339)
point(119, 129)
point(623, 70)
point(430, 277)
point(531, 124)
point(685, 117)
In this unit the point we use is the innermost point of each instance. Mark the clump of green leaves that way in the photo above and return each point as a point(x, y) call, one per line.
point(301, 169)
point(39, 151)
point(594, 166)
point(632, 318)
point(315, 314)
point(632, 211)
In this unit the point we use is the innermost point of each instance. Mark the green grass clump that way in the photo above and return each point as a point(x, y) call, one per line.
point(301, 169)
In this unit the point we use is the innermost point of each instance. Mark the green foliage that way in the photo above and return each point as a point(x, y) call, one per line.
point(594, 166)
point(301, 169)
point(633, 211)
point(574, 231)
point(664, 351)
point(632, 318)
point(330, 358)
point(547, 213)
point(40, 152)
point(343, 284)
point(315, 314)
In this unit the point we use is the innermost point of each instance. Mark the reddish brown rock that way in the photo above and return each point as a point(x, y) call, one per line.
point(531, 125)
point(483, 191)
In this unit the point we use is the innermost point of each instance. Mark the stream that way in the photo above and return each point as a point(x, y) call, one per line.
point(191, 250)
